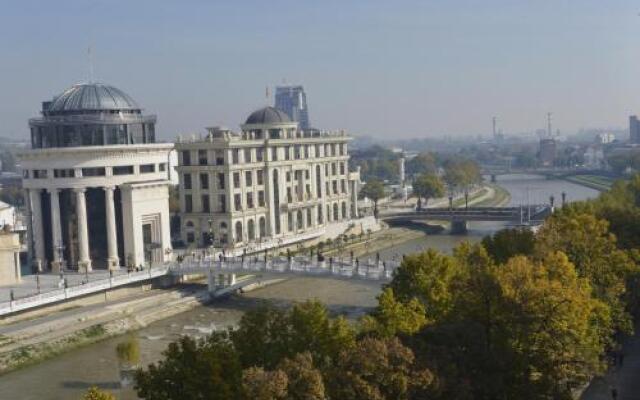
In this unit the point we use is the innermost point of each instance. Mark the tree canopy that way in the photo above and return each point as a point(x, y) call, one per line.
point(427, 186)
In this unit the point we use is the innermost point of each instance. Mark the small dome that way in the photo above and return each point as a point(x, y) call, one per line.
point(268, 115)
point(92, 97)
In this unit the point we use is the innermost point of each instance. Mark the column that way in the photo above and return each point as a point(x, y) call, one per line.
point(84, 262)
point(112, 238)
point(37, 229)
point(56, 231)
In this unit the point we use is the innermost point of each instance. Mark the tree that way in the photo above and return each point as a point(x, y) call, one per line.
point(259, 384)
point(392, 317)
point(193, 369)
point(128, 352)
point(373, 189)
point(423, 163)
point(593, 250)
point(461, 174)
point(507, 243)
point(96, 394)
point(305, 381)
point(377, 369)
point(427, 186)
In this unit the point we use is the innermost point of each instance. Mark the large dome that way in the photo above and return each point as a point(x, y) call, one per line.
point(92, 97)
point(268, 115)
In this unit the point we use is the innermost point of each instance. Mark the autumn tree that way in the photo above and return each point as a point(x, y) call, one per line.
point(507, 243)
point(96, 394)
point(427, 186)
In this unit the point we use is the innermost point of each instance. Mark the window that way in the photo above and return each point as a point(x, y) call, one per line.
point(236, 180)
point(288, 176)
point(306, 151)
point(123, 170)
point(204, 181)
point(222, 200)
point(289, 199)
point(93, 172)
point(247, 155)
point(326, 150)
point(220, 181)
point(259, 154)
point(317, 150)
point(188, 203)
point(341, 149)
point(235, 156)
point(261, 198)
point(249, 200)
point(319, 213)
point(287, 152)
point(162, 167)
point(147, 168)
point(186, 157)
point(205, 203)
point(297, 153)
point(309, 219)
point(333, 149)
point(326, 170)
point(290, 221)
point(343, 186)
point(274, 154)
point(191, 237)
point(259, 175)
point(64, 173)
point(248, 178)
point(237, 202)
point(25, 174)
point(341, 168)
point(202, 157)
point(333, 169)
point(335, 186)
point(219, 158)
point(187, 181)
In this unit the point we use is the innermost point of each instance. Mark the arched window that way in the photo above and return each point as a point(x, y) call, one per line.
point(299, 219)
point(344, 210)
point(238, 231)
point(189, 224)
point(320, 219)
point(335, 212)
point(223, 226)
point(251, 229)
point(262, 225)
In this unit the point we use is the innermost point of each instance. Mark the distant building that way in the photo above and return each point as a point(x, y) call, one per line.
point(9, 257)
point(547, 152)
point(605, 138)
point(269, 184)
point(594, 157)
point(634, 129)
point(293, 101)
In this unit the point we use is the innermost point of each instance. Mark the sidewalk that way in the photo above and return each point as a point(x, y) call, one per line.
point(625, 378)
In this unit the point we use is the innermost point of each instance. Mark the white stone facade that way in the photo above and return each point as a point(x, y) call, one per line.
point(269, 182)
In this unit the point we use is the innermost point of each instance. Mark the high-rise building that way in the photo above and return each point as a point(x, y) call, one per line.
point(96, 181)
point(634, 129)
point(547, 152)
point(269, 184)
point(293, 101)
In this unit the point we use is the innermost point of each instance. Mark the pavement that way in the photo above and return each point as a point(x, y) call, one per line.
point(45, 282)
point(624, 378)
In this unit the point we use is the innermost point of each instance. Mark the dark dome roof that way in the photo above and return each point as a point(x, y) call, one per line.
point(268, 115)
point(92, 96)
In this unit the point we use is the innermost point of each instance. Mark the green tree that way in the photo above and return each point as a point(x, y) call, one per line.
point(423, 163)
point(193, 369)
point(373, 189)
point(507, 243)
point(392, 317)
point(96, 394)
point(128, 352)
point(304, 380)
point(259, 384)
point(427, 186)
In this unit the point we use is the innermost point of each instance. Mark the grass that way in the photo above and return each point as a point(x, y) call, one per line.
point(597, 182)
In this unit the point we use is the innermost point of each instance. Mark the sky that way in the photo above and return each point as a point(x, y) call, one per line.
point(388, 69)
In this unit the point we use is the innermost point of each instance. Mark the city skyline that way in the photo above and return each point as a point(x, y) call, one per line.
point(371, 68)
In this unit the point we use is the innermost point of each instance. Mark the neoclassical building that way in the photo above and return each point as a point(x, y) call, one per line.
point(96, 181)
point(270, 182)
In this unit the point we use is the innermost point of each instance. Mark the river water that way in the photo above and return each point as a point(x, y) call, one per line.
point(69, 375)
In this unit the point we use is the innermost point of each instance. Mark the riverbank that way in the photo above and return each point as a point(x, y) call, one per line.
point(597, 182)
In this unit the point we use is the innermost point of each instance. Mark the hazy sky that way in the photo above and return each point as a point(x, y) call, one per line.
point(383, 68)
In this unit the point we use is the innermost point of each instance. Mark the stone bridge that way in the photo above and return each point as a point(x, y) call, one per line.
point(532, 214)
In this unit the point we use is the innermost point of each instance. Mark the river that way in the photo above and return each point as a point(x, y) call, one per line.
point(68, 376)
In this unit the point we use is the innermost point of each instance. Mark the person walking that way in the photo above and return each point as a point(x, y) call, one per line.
point(614, 394)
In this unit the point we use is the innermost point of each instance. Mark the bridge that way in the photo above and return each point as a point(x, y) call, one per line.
point(532, 214)
point(550, 173)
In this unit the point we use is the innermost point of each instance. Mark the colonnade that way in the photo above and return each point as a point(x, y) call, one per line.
point(57, 242)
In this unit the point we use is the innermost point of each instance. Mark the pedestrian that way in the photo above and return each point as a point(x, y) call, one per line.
point(614, 394)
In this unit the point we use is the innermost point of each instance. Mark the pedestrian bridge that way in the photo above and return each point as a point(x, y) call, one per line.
point(333, 268)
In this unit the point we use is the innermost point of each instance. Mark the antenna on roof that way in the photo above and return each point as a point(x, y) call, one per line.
point(90, 59)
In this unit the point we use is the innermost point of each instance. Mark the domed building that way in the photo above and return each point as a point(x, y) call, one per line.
point(269, 185)
point(97, 182)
